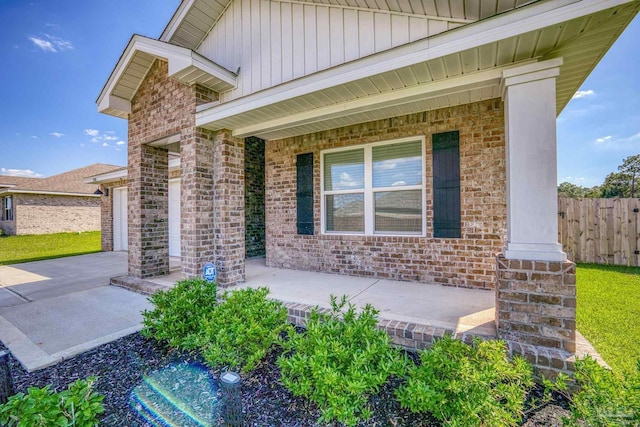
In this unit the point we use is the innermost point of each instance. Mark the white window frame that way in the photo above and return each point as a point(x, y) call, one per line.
point(7, 213)
point(369, 208)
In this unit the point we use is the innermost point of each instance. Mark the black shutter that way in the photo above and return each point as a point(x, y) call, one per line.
point(446, 184)
point(304, 193)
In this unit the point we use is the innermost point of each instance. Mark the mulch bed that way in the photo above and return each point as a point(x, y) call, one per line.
point(121, 365)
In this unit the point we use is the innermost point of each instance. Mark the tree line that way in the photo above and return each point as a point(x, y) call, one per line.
point(617, 184)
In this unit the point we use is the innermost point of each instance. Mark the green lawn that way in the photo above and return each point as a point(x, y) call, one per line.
point(16, 249)
point(609, 312)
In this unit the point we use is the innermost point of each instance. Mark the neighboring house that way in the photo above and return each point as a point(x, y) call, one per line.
point(59, 203)
point(405, 140)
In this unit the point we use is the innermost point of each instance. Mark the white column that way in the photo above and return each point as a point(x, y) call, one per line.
point(529, 94)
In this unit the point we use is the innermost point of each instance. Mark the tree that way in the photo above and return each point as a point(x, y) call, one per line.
point(616, 184)
point(630, 167)
point(573, 191)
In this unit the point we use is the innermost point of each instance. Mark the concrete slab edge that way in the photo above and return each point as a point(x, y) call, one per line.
point(26, 351)
point(89, 345)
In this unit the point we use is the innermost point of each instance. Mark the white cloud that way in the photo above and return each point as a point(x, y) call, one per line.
point(25, 173)
point(120, 143)
point(104, 144)
point(92, 132)
point(603, 139)
point(582, 94)
point(109, 138)
point(34, 137)
point(82, 145)
point(398, 183)
point(50, 43)
point(57, 134)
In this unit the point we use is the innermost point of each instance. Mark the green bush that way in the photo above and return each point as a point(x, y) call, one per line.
point(77, 406)
point(242, 329)
point(338, 363)
point(604, 399)
point(468, 385)
point(178, 313)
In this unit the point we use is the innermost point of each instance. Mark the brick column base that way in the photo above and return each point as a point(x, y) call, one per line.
point(536, 312)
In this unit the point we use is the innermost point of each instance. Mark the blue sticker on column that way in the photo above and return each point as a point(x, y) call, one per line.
point(209, 272)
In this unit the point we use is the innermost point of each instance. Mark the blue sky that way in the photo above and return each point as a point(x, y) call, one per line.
point(58, 54)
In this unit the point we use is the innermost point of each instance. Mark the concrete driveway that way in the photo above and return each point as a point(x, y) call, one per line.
point(52, 310)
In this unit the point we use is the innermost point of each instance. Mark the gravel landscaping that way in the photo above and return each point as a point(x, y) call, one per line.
point(120, 366)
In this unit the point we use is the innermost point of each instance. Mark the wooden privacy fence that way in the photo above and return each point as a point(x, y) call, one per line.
point(602, 231)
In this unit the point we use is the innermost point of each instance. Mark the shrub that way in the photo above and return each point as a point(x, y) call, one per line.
point(604, 399)
point(468, 385)
point(242, 329)
point(178, 313)
point(337, 363)
point(78, 405)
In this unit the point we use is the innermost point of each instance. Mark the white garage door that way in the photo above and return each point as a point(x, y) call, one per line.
point(174, 217)
point(120, 219)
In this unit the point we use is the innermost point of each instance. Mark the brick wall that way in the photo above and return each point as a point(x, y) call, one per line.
point(229, 218)
point(254, 196)
point(161, 107)
point(468, 261)
point(45, 214)
point(536, 308)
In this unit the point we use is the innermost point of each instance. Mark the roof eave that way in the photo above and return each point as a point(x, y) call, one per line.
point(182, 64)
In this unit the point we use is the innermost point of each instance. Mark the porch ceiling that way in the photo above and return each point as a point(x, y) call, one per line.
point(461, 66)
point(184, 65)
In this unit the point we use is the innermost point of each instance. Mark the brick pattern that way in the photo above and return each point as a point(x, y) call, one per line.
point(197, 195)
point(148, 209)
point(536, 302)
point(409, 335)
point(536, 307)
point(466, 262)
point(106, 212)
point(254, 196)
point(229, 218)
point(45, 214)
point(163, 107)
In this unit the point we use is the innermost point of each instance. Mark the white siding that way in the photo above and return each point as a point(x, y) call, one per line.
point(273, 42)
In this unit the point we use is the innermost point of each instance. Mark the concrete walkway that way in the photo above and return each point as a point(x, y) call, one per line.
point(54, 309)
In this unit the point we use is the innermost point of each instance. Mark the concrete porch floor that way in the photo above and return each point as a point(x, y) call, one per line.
point(413, 314)
point(456, 310)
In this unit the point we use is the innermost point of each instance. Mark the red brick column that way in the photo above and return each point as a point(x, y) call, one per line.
point(229, 216)
point(148, 206)
point(536, 311)
point(196, 200)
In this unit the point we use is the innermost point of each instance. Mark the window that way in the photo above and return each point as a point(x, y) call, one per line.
point(7, 209)
point(374, 189)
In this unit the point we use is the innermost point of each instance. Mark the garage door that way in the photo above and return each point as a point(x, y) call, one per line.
point(174, 217)
point(120, 219)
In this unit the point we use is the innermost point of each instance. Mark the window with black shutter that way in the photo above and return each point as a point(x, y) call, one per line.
point(304, 193)
point(446, 185)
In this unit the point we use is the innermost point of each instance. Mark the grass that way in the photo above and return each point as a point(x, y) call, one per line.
point(608, 312)
point(17, 249)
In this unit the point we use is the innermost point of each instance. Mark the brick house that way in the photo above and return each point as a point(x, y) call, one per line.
point(57, 204)
point(407, 140)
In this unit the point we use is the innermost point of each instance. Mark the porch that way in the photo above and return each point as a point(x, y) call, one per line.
point(412, 313)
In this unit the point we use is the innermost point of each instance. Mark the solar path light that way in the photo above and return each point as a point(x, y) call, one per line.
point(231, 398)
point(6, 381)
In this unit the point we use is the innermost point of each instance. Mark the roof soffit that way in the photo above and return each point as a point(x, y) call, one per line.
point(185, 65)
point(580, 32)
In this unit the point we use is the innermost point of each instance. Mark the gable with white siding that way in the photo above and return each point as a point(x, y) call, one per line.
point(272, 42)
